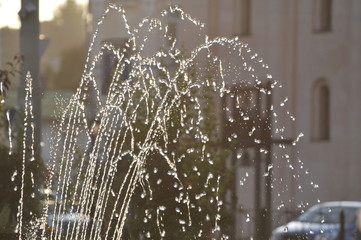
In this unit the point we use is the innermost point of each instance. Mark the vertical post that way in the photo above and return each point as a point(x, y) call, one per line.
point(257, 195)
point(29, 49)
point(342, 226)
point(257, 169)
point(269, 177)
point(234, 195)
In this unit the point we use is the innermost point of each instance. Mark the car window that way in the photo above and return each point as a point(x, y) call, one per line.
point(329, 215)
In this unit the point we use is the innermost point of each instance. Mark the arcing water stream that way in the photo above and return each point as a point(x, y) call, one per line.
point(152, 161)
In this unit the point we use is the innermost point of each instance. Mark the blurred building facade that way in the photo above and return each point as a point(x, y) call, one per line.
point(313, 50)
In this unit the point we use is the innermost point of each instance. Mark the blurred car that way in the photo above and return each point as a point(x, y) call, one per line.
point(62, 218)
point(322, 222)
point(68, 218)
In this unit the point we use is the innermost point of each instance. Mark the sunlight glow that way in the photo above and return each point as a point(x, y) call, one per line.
point(9, 11)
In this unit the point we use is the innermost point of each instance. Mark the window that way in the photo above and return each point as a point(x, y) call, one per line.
point(242, 17)
point(110, 62)
point(321, 111)
point(322, 15)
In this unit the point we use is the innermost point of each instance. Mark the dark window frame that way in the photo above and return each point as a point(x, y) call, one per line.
point(321, 111)
point(243, 18)
point(322, 16)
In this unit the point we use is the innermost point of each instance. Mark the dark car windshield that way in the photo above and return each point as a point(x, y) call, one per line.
point(329, 215)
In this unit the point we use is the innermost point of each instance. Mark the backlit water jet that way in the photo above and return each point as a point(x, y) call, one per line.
point(150, 161)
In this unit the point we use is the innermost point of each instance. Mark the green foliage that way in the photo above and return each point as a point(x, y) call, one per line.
point(11, 166)
point(10, 182)
point(6, 76)
point(185, 200)
point(7, 73)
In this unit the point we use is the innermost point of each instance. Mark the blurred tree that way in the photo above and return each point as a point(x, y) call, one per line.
point(69, 15)
point(183, 204)
point(64, 59)
point(9, 45)
point(71, 68)
point(11, 164)
point(6, 76)
point(10, 184)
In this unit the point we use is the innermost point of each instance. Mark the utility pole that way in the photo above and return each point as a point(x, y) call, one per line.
point(249, 100)
point(29, 49)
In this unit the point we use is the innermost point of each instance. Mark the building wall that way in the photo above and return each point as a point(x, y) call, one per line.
point(327, 55)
